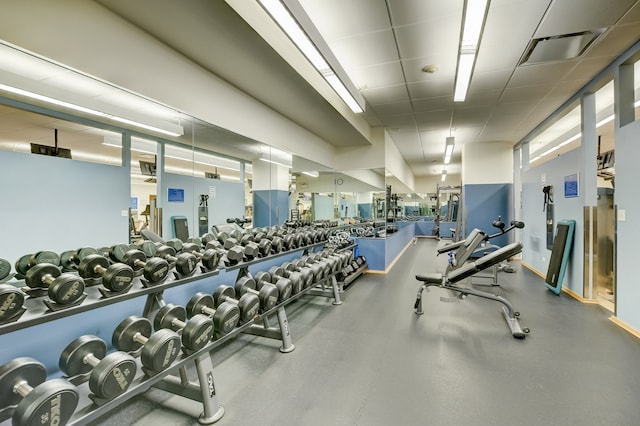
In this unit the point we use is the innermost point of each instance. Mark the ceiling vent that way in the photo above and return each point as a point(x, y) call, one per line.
point(560, 47)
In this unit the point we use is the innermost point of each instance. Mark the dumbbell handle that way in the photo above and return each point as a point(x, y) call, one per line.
point(100, 269)
point(140, 263)
point(207, 310)
point(229, 299)
point(22, 388)
point(90, 359)
point(252, 291)
point(140, 338)
point(48, 279)
point(177, 323)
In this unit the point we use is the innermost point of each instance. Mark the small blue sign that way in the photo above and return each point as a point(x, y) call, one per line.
point(571, 187)
point(134, 203)
point(176, 195)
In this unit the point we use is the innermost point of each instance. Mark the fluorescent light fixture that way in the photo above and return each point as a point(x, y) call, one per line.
point(294, 31)
point(179, 130)
point(474, 17)
point(312, 174)
point(444, 175)
point(463, 79)
point(268, 160)
point(448, 149)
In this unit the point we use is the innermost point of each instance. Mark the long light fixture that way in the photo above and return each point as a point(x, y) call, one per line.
point(444, 175)
point(269, 160)
point(312, 174)
point(474, 18)
point(294, 31)
point(64, 104)
point(448, 149)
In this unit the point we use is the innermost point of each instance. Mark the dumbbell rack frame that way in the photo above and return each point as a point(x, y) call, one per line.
point(204, 390)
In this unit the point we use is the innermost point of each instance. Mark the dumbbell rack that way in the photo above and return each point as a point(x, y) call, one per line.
point(203, 391)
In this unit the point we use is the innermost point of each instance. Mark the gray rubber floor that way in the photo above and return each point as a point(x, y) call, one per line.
point(372, 361)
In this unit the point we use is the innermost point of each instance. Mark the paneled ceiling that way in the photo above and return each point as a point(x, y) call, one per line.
point(383, 46)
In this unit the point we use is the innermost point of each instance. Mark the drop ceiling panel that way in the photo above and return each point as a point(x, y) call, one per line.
point(371, 16)
point(432, 104)
point(386, 94)
point(423, 40)
point(366, 49)
point(434, 119)
point(400, 121)
point(632, 16)
point(614, 42)
point(529, 75)
point(512, 94)
point(471, 116)
point(409, 12)
point(370, 77)
point(477, 99)
point(571, 16)
point(438, 87)
point(394, 108)
point(492, 80)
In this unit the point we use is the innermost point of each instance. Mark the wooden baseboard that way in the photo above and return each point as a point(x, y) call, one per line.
point(534, 270)
point(624, 326)
point(580, 298)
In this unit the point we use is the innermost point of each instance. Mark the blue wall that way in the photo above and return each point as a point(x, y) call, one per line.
point(535, 252)
point(365, 210)
point(483, 204)
point(228, 201)
point(270, 207)
point(58, 204)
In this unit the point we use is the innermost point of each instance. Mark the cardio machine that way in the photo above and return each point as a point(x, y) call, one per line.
point(460, 267)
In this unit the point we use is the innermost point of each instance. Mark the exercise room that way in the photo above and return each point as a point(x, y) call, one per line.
point(319, 212)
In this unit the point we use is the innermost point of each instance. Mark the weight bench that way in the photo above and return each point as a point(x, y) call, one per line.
point(449, 279)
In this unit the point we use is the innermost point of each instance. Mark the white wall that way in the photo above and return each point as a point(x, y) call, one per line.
point(487, 163)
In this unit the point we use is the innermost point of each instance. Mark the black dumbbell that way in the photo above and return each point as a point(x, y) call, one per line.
point(159, 349)
point(268, 295)
point(249, 304)
point(154, 269)
point(297, 281)
point(23, 383)
point(11, 301)
point(284, 285)
point(149, 248)
point(209, 259)
point(63, 288)
point(184, 263)
point(117, 252)
point(229, 257)
point(111, 375)
point(195, 334)
point(305, 271)
point(117, 277)
point(225, 316)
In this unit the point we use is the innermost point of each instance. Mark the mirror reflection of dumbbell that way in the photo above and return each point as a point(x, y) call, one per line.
point(225, 316)
point(110, 375)
point(64, 289)
point(209, 259)
point(25, 262)
point(154, 270)
point(117, 278)
point(249, 304)
point(267, 295)
point(184, 263)
point(157, 350)
point(196, 333)
point(24, 384)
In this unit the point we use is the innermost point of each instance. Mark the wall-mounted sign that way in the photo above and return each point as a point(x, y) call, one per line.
point(571, 187)
point(175, 195)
